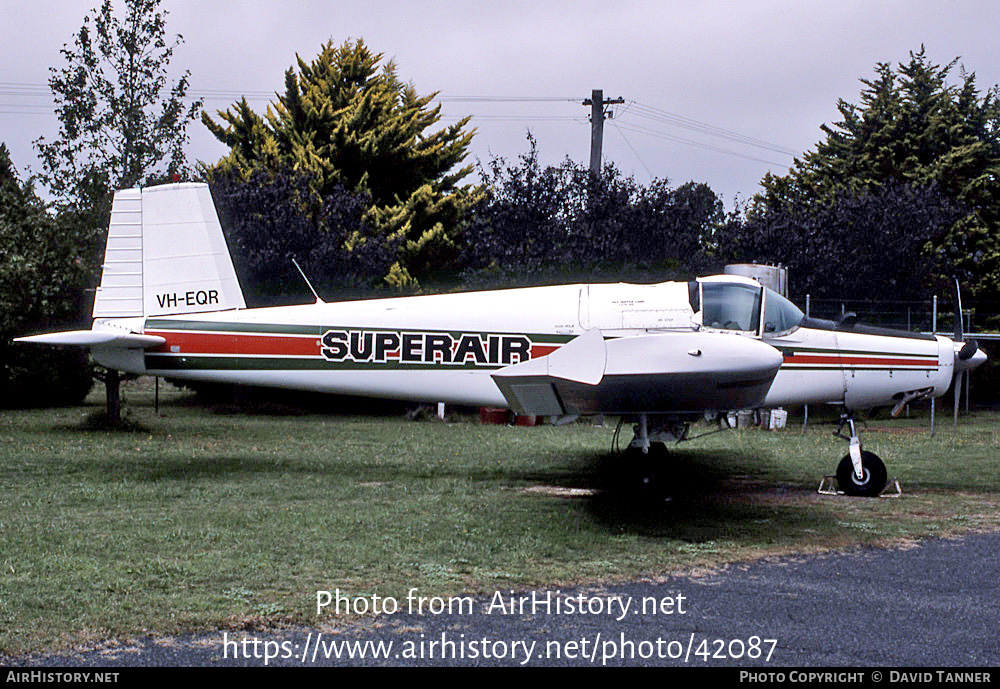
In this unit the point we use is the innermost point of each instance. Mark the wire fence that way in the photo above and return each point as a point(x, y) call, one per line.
point(916, 316)
point(927, 316)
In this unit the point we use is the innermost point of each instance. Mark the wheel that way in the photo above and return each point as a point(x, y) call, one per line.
point(872, 482)
point(643, 471)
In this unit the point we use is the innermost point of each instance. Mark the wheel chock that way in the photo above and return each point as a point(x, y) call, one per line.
point(828, 486)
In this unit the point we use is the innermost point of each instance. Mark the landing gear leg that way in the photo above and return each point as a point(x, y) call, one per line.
point(642, 433)
point(860, 472)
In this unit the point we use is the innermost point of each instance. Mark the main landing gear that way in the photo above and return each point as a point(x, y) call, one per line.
point(646, 456)
point(860, 472)
point(645, 469)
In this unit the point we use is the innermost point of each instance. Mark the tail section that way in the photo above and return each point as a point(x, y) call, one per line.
point(166, 255)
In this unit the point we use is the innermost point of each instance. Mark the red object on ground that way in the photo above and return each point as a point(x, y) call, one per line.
point(501, 417)
point(494, 415)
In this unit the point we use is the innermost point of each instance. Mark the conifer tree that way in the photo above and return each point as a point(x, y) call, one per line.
point(346, 123)
point(914, 128)
point(541, 224)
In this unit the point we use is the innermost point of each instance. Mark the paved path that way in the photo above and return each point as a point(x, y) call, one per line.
point(937, 604)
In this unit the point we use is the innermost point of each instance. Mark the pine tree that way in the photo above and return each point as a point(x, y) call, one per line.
point(912, 127)
point(344, 122)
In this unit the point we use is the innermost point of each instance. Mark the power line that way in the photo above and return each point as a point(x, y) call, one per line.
point(698, 144)
point(513, 118)
point(631, 148)
point(632, 109)
point(29, 89)
point(505, 99)
point(658, 115)
point(19, 89)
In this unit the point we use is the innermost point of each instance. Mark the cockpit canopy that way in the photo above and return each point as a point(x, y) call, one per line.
point(735, 304)
point(780, 315)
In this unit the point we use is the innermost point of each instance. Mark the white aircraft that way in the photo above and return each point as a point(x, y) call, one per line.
point(169, 304)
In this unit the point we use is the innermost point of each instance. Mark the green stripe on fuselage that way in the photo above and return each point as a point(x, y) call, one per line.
point(166, 362)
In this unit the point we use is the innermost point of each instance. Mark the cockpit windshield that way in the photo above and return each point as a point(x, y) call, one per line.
point(780, 315)
point(730, 306)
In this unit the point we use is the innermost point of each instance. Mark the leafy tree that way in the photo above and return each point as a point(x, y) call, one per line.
point(267, 224)
point(118, 128)
point(348, 124)
point(42, 278)
point(562, 222)
point(912, 127)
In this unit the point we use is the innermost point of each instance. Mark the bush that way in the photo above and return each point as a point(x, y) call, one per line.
point(44, 266)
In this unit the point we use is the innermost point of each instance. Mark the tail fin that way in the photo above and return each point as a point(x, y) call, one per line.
point(166, 255)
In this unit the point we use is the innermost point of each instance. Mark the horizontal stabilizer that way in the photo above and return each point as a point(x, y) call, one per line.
point(90, 338)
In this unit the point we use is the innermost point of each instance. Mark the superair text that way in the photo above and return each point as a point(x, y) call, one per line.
point(385, 346)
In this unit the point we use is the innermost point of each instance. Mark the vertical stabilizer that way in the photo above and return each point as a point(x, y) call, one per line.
point(166, 255)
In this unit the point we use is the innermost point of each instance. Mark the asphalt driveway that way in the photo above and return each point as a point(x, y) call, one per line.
point(933, 604)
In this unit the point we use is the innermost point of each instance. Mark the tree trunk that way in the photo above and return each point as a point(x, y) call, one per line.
point(112, 381)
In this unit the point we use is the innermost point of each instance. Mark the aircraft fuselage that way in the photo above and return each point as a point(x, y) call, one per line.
point(445, 347)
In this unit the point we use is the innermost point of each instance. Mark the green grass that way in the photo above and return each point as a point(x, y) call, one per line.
point(198, 520)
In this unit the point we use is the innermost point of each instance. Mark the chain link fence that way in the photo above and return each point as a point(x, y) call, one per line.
point(915, 316)
point(928, 316)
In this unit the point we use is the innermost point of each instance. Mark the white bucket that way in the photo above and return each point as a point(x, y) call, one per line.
point(779, 417)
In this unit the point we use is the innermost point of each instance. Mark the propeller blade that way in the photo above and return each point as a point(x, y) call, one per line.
point(966, 353)
point(957, 384)
point(958, 313)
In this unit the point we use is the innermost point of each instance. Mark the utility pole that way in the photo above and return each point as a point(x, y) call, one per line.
point(597, 117)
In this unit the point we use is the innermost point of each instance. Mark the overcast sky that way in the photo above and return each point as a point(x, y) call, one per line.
point(767, 70)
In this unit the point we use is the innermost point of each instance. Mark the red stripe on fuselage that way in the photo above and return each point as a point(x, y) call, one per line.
point(228, 343)
point(835, 360)
point(542, 350)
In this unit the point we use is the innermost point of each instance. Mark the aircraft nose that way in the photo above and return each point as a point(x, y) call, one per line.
point(978, 358)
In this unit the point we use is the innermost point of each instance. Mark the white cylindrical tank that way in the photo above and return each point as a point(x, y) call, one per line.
point(775, 277)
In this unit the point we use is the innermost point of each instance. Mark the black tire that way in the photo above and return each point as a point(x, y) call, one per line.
point(643, 473)
point(875, 475)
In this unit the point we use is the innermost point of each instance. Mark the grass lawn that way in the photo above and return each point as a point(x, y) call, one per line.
point(201, 518)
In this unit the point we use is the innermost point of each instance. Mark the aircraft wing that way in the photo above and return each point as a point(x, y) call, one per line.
point(96, 338)
point(663, 372)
